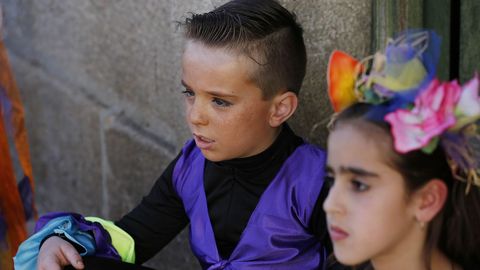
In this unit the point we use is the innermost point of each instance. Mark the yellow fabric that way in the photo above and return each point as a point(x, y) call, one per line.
point(121, 241)
point(401, 77)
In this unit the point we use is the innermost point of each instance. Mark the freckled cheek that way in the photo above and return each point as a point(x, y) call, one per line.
point(241, 115)
point(252, 116)
point(187, 108)
point(235, 127)
point(186, 112)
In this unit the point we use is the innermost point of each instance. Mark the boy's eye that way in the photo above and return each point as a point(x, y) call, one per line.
point(188, 93)
point(358, 186)
point(220, 102)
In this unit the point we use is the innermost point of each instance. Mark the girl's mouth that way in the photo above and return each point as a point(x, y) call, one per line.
point(337, 234)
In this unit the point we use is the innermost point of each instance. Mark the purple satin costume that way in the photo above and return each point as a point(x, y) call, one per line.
point(275, 236)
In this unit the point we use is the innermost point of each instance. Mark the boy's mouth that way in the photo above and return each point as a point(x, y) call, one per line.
point(203, 142)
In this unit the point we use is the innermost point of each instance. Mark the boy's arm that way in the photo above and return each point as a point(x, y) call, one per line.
point(88, 238)
point(152, 225)
point(157, 219)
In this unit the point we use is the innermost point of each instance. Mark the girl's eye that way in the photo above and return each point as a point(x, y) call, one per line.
point(329, 181)
point(221, 102)
point(358, 186)
point(188, 93)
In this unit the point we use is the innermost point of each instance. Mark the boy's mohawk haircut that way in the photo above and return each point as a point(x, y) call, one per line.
point(264, 31)
point(237, 22)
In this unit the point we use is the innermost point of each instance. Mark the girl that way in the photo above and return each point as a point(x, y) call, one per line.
point(405, 191)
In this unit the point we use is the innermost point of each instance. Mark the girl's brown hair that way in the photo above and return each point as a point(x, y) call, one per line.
point(455, 230)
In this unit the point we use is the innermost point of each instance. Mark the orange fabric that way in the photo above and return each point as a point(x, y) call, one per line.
point(10, 203)
point(6, 261)
point(341, 80)
point(11, 206)
point(18, 120)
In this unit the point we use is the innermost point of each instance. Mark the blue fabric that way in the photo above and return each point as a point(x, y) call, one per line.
point(26, 193)
point(407, 50)
point(276, 235)
point(3, 230)
point(103, 242)
point(26, 257)
point(6, 107)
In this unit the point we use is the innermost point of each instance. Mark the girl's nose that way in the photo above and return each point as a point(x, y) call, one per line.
point(332, 204)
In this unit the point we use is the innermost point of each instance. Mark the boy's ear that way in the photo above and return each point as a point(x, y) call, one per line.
point(283, 106)
point(430, 199)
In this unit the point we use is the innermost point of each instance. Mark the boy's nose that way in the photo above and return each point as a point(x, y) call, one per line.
point(197, 115)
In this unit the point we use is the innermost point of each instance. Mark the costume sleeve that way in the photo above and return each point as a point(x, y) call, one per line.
point(157, 219)
point(90, 238)
point(318, 221)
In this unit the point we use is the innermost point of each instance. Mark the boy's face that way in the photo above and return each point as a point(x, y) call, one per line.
point(224, 109)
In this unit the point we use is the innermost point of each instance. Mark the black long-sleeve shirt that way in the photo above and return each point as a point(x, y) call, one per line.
point(233, 189)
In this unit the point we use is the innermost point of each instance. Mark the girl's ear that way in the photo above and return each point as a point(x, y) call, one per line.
point(283, 106)
point(430, 200)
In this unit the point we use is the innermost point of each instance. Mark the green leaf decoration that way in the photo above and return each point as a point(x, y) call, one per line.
point(430, 147)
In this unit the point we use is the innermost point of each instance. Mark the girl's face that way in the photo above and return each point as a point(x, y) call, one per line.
point(368, 210)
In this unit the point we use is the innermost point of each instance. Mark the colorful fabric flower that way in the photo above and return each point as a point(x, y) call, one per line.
point(400, 84)
point(432, 114)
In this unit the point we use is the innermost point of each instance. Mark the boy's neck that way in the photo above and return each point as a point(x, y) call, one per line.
point(282, 137)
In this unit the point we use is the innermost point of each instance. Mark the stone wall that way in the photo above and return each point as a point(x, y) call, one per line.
point(100, 81)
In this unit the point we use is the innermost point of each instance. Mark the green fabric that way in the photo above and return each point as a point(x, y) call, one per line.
point(121, 240)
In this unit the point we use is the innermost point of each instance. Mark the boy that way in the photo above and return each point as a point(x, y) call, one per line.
point(249, 187)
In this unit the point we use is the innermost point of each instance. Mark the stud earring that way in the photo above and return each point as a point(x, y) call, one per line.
point(422, 225)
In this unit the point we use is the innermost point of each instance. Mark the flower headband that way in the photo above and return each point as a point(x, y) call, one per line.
point(422, 111)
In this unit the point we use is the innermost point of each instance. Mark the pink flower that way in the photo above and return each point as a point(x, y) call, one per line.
point(432, 114)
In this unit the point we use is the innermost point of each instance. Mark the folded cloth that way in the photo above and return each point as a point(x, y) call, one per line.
point(89, 237)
